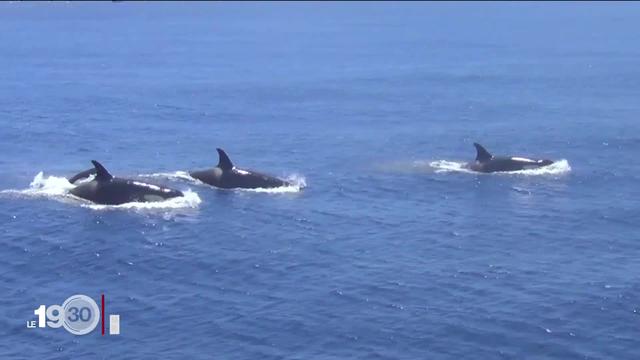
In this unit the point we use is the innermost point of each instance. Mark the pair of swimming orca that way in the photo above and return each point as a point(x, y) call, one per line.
point(109, 190)
point(106, 189)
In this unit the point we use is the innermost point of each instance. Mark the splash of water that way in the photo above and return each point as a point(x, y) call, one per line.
point(41, 186)
point(189, 200)
point(444, 166)
point(298, 182)
point(176, 175)
point(557, 168)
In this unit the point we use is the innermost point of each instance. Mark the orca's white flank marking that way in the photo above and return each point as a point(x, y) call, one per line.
point(150, 186)
point(523, 159)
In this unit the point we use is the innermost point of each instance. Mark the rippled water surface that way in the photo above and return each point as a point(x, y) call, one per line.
point(386, 247)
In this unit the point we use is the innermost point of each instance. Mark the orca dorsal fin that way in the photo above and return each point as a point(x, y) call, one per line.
point(482, 153)
point(101, 173)
point(224, 163)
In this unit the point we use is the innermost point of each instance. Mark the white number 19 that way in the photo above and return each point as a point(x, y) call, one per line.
point(55, 313)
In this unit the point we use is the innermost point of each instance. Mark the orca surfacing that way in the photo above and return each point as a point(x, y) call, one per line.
point(108, 190)
point(226, 176)
point(487, 163)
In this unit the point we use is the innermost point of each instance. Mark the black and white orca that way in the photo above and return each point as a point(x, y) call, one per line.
point(225, 175)
point(485, 162)
point(108, 190)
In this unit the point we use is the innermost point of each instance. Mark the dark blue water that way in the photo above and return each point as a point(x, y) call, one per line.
point(389, 252)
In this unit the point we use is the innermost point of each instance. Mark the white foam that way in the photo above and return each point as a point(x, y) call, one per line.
point(40, 186)
point(298, 182)
point(557, 168)
point(57, 188)
point(176, 175)
point(189, 200)
point(444, 166)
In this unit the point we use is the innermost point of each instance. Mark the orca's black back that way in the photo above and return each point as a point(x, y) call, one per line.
point(120, 191)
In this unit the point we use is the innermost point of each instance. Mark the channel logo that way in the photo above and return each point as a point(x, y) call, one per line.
point(79, 315)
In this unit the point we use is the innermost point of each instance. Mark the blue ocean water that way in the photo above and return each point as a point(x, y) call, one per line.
point(390, 251)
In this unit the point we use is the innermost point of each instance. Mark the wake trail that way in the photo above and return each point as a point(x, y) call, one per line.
point(559, 167)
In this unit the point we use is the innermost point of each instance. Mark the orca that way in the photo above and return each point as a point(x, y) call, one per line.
point(108, 190)
point(226, 176)
point(487, 163)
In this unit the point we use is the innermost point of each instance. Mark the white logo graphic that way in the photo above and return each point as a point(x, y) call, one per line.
point(79, 315)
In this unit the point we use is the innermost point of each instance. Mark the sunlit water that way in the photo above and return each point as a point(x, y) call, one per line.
point(385, 247)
